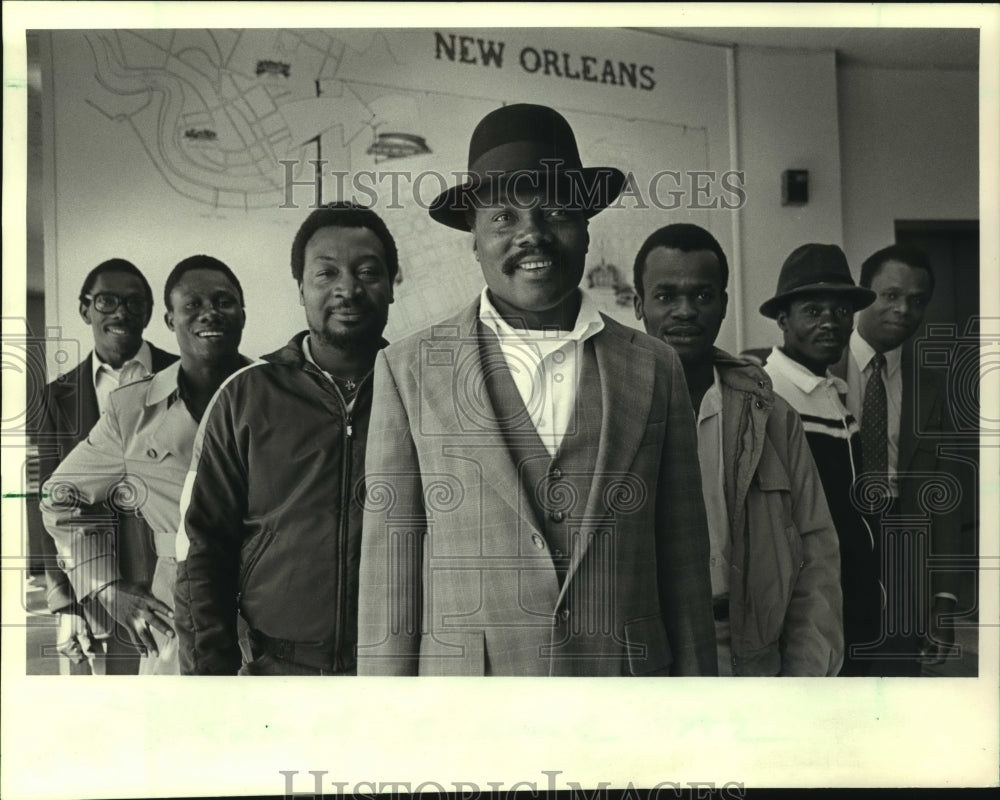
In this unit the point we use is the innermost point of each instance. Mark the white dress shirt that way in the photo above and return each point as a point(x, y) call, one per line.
point(545, 366)
point(710, 458)
point(859, 370)
point(713, 490)
point(107, 378)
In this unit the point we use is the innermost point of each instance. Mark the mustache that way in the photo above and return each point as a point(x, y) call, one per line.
point(683, 330)
point(351, 305)
point(511, 263)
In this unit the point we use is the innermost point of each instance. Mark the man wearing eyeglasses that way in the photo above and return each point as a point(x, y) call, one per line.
point(116, 301)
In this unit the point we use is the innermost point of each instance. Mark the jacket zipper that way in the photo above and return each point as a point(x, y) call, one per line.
point(854, 477)
point(345, 510)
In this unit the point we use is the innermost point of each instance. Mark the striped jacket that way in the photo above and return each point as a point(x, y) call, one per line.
point(834, 438)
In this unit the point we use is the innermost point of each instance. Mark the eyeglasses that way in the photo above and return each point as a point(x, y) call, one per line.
point(107, 302)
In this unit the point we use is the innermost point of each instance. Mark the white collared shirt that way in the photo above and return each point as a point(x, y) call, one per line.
point(859, 370)
point(816, 398)
point(107, 378)
point(710, 458)
point(545, 365)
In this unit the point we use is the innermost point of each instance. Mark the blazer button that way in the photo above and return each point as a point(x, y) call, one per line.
point(759, 404)
point(564, 614)
point(538, 541)
point(556, 473)
point(151, 453)
point(557, 516)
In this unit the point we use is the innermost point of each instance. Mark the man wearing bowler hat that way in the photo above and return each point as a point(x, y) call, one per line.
point(814, 307)
point(531, 507)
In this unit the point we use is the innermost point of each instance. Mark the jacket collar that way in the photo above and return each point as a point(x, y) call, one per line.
point(292, 354)
point(164, 383)
point(803, 379)
point(742, 375)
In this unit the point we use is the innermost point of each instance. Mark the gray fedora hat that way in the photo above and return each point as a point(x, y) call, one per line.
point(816, 268)
point(521, 145)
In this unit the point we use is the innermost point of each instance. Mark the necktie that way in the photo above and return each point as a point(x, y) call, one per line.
point(874, 421)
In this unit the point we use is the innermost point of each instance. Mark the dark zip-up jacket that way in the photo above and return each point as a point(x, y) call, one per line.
point(271, 515)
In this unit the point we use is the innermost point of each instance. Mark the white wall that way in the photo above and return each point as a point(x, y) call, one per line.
point(880, 145)
point(909, 150)
point(787, 118)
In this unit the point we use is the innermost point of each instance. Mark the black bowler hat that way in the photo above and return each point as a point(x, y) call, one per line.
point(816, 268)
point(526, 145)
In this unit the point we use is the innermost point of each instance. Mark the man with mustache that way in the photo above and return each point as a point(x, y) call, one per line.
point(116, 302)
point(140, 451)
point(775, 561)
point(895, 440)
point(814, 307)
point(530, 507)
point(271, 510)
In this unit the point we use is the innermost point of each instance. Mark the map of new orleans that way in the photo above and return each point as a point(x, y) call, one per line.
point(217, 111)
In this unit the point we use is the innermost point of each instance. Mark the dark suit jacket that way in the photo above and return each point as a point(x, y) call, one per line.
point(451, 582)
point(924, 424)
point(70, 411)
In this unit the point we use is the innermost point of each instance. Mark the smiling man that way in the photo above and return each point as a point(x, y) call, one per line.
point(765, 503)
point(271, 510)
point(116, 302)
point(814, 307)
point(139, 453)
point(903, 412)
point(530, 506)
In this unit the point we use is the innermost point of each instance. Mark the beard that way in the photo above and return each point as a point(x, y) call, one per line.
point(366, 334)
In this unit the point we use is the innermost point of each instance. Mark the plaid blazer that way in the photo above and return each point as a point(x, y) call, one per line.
point(453, 579)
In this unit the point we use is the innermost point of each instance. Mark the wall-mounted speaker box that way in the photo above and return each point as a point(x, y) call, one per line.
point(794, 187)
